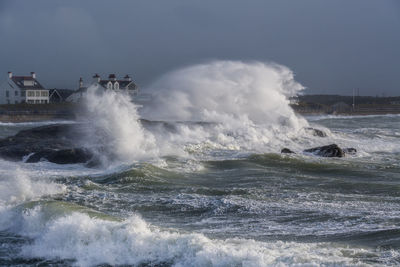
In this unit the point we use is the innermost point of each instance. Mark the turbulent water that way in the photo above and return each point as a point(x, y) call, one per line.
point(195, 178)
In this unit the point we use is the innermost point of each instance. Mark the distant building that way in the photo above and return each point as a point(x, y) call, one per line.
point(23, 89)
point(59, 95)
point(124, 85)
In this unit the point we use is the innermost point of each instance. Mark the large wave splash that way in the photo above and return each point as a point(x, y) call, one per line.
point(249, 102)
point(212, 106)
point(115, 127)
point(224, 90)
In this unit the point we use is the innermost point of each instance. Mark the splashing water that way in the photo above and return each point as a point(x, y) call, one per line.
point(248, 102)
point(223, 90)
point(226, 105)
point(115, 121)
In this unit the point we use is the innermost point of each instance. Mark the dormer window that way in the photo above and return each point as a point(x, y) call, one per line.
point(28, 83)
point(116, 86)
point(109, 85)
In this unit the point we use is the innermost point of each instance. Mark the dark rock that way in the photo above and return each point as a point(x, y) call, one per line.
point(70, 156)
point(54, 131)
point(36, 157)
point(350, 150)
point(316, 132)
point(287, 151)
point(327, 151)
point(55, 143)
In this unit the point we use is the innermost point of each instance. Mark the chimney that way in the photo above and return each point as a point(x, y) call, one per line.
point(9, 74)
point(96, 78)
point(33, 75)
point(80, 82)
point(127, 78)
point(112, 77)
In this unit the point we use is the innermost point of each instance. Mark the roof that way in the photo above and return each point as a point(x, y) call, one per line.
point(18, 80)
point(63, 93)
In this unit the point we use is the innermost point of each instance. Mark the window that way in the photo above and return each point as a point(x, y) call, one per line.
point(28, 83)
point(8, 94)
point(44, 93)
point(31, 93)
point(109, 85)
point(37, 93)
point(23, 93)
point(16, 93)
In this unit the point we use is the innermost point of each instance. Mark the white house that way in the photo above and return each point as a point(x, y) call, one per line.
point(23, 89)
point(124, 85)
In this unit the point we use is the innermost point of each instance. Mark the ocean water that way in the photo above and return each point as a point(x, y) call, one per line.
point(198, 180)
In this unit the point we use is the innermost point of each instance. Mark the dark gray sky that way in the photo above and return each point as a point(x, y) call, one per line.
point(332, 46)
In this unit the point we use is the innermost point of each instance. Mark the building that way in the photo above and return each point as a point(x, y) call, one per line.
point(112, 83)
point(59, 95)
point(23, 89)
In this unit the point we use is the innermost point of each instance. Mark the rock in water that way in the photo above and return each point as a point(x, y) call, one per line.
point(63, 156)
point(287, 151)
point(327, 151)
point(350, 150)
point(316, 132)
point(70, 156)
point(55, 143)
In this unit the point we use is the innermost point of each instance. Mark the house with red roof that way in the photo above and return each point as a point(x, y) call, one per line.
point(23, 89)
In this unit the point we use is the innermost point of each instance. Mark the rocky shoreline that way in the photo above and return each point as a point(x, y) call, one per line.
point(56, 143)
point(64, 144)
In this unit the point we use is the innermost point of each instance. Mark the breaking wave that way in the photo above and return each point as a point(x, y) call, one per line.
point(90, 241)
point(246, 104)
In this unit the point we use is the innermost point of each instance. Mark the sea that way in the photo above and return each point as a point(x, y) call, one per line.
point(195, 177)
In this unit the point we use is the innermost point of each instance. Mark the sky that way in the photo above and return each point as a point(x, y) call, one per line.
point(332, 47)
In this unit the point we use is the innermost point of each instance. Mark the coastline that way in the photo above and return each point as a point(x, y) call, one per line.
point(33, 118)
point(21, 118)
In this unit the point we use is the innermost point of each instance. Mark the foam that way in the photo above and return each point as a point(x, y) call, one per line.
point(92, 241)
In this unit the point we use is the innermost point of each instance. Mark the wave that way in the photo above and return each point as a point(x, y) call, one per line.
point(221, 105)
point(88, 240)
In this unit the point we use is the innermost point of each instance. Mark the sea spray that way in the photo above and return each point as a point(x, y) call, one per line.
point(248, 104)
point(115, 127)
point(223, 90)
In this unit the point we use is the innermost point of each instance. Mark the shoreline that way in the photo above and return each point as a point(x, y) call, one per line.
point(21, 118)
point(33, 118)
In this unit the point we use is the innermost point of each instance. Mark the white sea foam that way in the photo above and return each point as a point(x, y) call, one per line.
point(92, 241)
